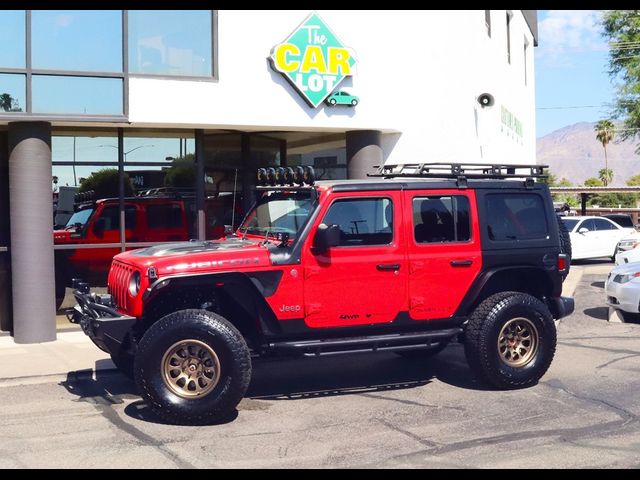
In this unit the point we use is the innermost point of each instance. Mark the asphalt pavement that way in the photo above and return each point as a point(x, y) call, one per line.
point(365, 410)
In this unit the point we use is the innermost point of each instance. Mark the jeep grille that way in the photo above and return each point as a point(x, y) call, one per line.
point(119, 283)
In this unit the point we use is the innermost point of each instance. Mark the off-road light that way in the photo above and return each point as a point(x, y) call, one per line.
point(309, 175)
point(280, 176)
point(271, 176)
point(262, 176)
point(134, 284)
point(298, 175)
point(288, 175)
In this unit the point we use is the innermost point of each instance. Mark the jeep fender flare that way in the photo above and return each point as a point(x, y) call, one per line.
point(481, 287)
point(247, 292)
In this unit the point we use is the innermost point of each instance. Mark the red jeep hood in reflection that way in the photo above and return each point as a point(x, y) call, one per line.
point(197, 256)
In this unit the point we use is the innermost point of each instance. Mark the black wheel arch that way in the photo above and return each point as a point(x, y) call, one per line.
point(234, 295)
point(519, 278)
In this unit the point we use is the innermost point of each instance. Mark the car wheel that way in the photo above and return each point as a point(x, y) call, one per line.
point(354, 103)
point(192, 367)
point(424, 353)
point(332, 101)
point(510, 340)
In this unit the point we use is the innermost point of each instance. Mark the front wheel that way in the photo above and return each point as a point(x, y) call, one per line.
point(510, 340)
point(192, 367)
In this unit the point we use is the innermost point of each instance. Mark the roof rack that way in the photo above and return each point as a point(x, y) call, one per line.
point(456, 170)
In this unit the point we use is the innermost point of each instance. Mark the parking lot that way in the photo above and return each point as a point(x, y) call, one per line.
point(366, 410)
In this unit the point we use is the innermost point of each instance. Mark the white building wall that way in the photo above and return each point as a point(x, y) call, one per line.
point(418, 75)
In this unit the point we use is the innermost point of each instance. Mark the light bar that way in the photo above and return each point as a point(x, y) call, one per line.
point(282, 176)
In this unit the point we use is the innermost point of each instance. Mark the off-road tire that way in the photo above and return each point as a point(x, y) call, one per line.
point(484, 329)
point(565, 244)
point(424, 353)
point(216, 333)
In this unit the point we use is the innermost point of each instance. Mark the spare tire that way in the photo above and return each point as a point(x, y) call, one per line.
point(565, 244)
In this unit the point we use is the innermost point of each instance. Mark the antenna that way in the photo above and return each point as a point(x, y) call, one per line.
point(233, 211)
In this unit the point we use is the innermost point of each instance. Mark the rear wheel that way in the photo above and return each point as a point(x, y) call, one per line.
point(510, 340)
point(193, 367)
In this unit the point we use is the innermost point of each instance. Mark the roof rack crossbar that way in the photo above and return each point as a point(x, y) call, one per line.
point(458, 170)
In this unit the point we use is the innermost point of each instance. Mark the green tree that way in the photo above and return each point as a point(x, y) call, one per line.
point(606, 176)
point(605, 131)
point(105, 183)
point(182, 173)
point(552, 180)
point(622, 29)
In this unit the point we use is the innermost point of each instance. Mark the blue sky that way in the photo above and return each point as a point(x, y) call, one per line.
point(571, 63)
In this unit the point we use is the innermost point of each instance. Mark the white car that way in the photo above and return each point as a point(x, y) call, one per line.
point(593, 237)
point(628, 251)
point(623, 287)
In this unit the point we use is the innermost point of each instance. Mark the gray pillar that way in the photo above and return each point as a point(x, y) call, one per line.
point(31, 210)
point(364, 153)
point(5, 264)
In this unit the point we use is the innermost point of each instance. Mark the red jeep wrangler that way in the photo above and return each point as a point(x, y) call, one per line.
point(407, 262)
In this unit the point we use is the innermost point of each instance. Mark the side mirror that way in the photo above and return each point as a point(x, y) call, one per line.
point(98, 227)
point(327, 236)
point(583, 230)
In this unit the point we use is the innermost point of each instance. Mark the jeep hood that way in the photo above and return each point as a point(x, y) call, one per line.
point(199, 256)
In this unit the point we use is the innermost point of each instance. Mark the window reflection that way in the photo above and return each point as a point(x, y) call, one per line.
point(77, 95)
point(80, 40)
point(12, 39)
point(12, 93)
point(170, 42)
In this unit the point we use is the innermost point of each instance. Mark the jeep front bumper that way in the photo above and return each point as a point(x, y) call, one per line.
point(99, 320)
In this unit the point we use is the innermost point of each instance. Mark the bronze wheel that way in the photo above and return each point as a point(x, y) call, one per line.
point(190, 369)
point(518, 342)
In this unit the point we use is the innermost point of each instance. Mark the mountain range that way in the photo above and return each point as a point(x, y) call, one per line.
point(574, 153)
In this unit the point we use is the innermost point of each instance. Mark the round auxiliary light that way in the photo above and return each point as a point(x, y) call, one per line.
point(280, 176)
point(134, 284)
point(298, 175)
point(271, 176)
point(262, 176)
point(309, 175)
point(288, 175)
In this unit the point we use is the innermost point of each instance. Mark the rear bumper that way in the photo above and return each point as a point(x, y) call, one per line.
point(106, 327)
point(561, 307)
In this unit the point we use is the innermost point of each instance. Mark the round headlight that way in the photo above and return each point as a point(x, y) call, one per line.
point(134, 284)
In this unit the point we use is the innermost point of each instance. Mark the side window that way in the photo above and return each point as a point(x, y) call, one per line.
point(168, 215)
point(588, 224)
point(362, 222)
point(130, 217)
point(441, 219)
point(516, 216)
point(602, 224)
point(111, 217)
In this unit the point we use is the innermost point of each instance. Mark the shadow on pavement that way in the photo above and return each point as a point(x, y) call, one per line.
point(597, 284)
point(600, 313)
point(592, 261)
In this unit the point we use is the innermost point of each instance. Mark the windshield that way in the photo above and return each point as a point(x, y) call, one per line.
point(81, 217)
point(278, 213)
point(570, 223)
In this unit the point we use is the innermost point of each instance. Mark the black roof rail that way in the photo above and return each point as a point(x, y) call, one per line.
point(460, 171)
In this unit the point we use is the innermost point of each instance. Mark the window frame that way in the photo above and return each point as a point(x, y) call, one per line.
point(352, 199)
point(124, 75)
point(456, 242)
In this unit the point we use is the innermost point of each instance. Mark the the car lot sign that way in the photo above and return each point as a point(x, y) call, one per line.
point(313, 60)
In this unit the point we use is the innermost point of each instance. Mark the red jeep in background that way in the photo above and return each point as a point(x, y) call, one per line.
point(407, 262)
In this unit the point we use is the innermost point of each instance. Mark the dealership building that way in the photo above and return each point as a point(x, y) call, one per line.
point(167, 113)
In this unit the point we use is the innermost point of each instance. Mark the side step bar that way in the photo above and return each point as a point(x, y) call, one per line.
point(408, 341)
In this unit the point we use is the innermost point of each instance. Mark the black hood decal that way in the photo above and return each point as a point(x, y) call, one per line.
point(193, 246)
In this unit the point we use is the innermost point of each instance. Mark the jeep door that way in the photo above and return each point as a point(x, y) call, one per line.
point(443, 249)
point(363, 280)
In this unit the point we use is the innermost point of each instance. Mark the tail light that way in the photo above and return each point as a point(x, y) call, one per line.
point(563, 262)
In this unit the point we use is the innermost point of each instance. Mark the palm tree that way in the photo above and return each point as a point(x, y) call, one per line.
point(605, 133)
point(606, 175)
point(6, 102)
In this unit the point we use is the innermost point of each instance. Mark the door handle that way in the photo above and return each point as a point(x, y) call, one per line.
point(461, 263)
point(388, 266)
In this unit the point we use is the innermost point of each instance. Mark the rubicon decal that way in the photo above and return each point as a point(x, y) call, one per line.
point(313, 60)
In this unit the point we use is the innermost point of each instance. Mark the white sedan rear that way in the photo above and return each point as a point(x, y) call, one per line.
point(593, 237)
point(623, 288)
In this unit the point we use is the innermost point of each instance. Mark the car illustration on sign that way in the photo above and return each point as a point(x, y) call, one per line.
point(342, 98)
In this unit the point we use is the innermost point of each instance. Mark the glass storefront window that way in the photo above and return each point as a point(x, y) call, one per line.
point(12, 39)
point(80, 147)
point(79, 40)
point(12, 93)
point(77, 95)
point(163, 147)
point(170, 42)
